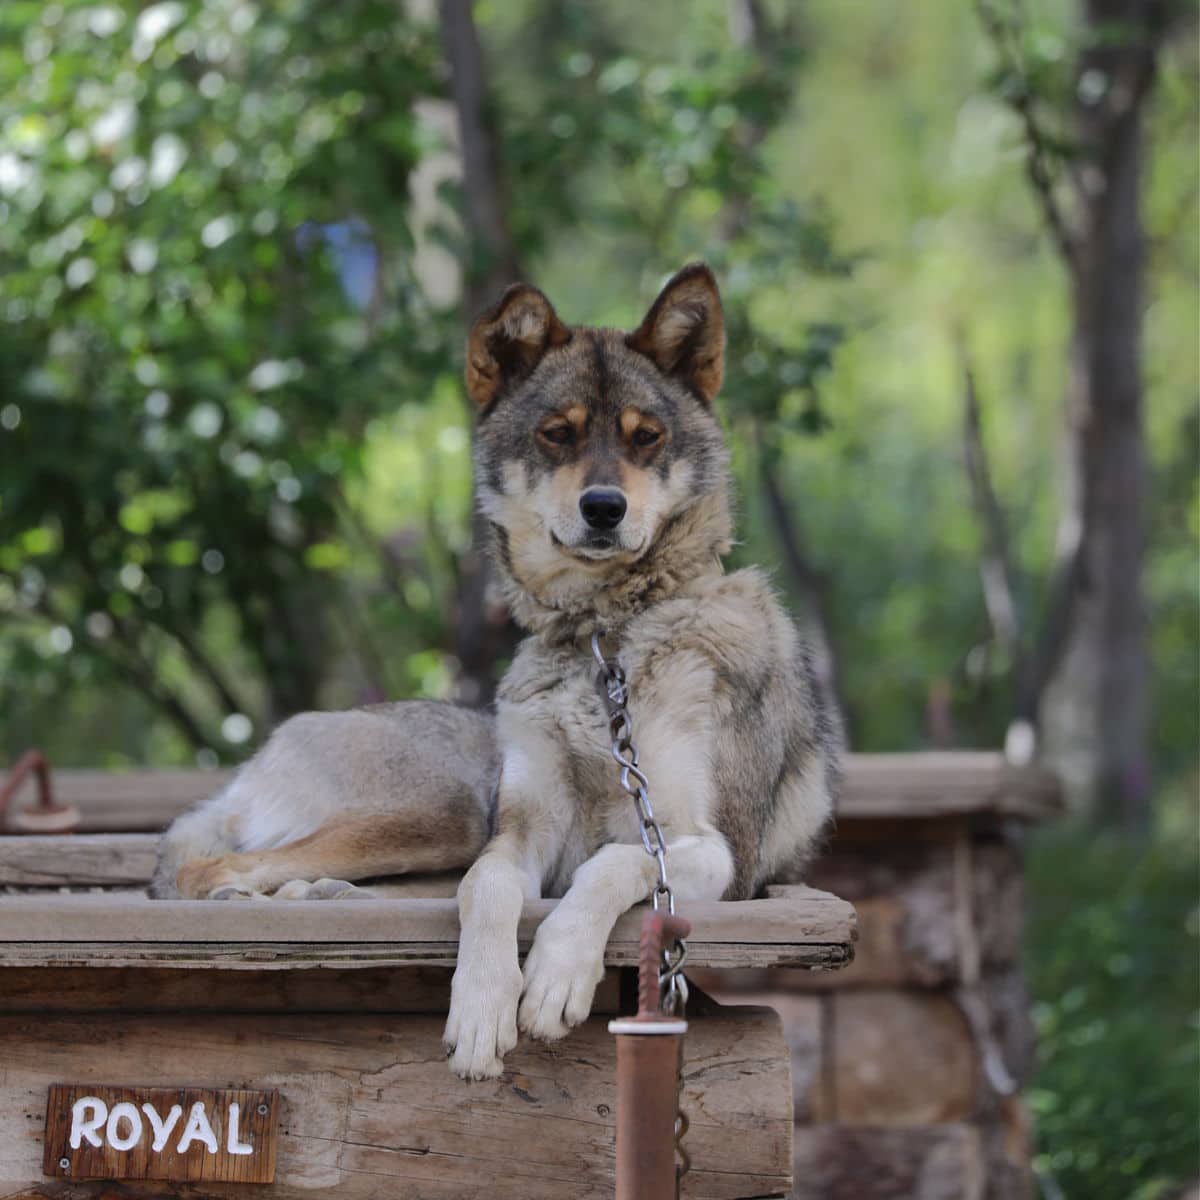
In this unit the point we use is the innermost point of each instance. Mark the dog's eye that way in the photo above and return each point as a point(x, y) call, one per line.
point(556, 435)
point(645, 436)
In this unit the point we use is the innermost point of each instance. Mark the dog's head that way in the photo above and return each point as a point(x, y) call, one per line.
point(592, 442)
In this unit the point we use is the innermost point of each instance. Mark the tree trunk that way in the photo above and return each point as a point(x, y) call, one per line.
point(748, 29)
point(483, 633)
point(1096, 710)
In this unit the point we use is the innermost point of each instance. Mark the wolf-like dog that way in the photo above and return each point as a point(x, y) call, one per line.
point(604, 477)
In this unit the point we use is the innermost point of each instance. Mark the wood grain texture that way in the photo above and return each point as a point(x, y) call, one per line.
point(901, 1058)
point(369, 1110)
point(930, 914)
point(939, 1162)
point(131, 989)
point(914, 930)
point(876, 785)
point(799, 928)
point(112, 859)
point(256, 1127)
point(806, 1027)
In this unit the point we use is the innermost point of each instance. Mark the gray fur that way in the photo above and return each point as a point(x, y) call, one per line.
point(710, 657)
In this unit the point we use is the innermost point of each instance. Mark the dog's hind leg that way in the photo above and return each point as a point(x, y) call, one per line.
point(357, 846)
point(208, 830)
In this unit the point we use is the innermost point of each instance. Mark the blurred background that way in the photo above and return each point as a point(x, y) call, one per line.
point(239, 247)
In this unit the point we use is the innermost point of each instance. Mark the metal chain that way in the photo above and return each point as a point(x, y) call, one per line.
point(672, 985)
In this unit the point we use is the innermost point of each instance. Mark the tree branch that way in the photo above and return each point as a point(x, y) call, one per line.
point(810, 583)
point(1038, 157)
point(749, 30)
point(747, 26)
point(132, 665)
point(1067, 579)
point(141, 675)
point(203, 664)
point(481, 634)
point(1031, 667)
point(995, 567)
point(494, 259)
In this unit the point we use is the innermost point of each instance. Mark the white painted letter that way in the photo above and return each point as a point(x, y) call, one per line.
point(87, 1129)
point(162, 1129)
point(125, 1111)
point(198, 1128)
point(231, 1143)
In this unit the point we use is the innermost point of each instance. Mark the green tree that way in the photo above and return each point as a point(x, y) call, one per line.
point(1083, 118)
point(207, 297)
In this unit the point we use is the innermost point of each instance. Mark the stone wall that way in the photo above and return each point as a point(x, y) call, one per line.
point(907, 1065)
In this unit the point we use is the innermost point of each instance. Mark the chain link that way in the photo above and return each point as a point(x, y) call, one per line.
point(672, 985)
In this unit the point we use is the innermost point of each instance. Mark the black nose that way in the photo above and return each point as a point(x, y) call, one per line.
point(602, 508)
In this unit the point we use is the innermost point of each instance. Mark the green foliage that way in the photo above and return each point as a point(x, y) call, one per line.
point(1112, 959)
point(857, 185)
point(655, 148)
point(188, 372)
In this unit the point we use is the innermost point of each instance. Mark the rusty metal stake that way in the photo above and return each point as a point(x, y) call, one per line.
point(47, 816)
point(648, 1050)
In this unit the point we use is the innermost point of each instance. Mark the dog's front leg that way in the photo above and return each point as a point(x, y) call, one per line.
point(566, 961)
point(482, 1025)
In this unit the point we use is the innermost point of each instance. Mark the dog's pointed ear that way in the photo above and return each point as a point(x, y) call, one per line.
point(508, 341)
point(684, 331)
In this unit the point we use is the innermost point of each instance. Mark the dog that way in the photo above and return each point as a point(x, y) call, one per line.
point(603, 475)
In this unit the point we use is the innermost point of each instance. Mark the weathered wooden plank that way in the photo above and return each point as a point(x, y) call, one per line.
point(125, 990)
point(370, 1110)
point(126, 860)
point(139, 800)
point(945, 783)
point(940, 1162)
point(930, 914)
point(290, 956)
point(876, 785)
point(910, 930)
point(806, 1027)
point(914, 926)
point(877, 1057)
point(110, 859)
point(805, 927)
point(900, 1058)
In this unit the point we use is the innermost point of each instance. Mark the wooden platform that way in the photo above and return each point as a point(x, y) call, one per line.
point(339, 1006)
point(876, 786)
point(796, 927)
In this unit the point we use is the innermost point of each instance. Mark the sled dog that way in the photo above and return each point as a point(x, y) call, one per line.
point(604, 477)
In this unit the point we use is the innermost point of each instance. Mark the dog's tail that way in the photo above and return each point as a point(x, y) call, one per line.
point(201, 833)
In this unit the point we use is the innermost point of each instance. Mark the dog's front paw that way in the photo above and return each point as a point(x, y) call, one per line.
point(561, 974)
point(482, 1026)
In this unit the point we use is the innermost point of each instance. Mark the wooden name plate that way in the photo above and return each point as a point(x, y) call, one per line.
point(207, 1134)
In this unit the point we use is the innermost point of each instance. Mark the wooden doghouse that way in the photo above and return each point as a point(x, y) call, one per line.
point(333, 1012)
point(322, 1022)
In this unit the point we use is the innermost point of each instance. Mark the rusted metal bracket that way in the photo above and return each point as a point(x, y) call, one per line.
point(45, 816)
